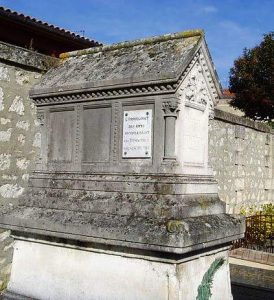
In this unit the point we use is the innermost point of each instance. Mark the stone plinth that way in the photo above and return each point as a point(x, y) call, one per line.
point(73, 272)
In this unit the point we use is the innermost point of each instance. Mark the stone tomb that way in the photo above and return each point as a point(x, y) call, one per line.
point(123, 204)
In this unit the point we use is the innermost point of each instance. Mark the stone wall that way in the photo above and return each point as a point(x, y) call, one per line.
point(241, 155)
point(19, 131)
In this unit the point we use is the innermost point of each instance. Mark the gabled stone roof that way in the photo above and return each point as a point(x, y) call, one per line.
point(162, 58)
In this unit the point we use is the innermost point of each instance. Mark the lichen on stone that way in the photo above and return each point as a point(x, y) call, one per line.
point(157, 58)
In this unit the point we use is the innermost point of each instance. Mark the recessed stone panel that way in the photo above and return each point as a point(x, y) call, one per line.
point(194, 136)
point(97, 131)
point(62, 133)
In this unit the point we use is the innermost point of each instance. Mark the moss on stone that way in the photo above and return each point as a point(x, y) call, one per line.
point(127, 44)
point(174, 225)
point(4, 283)
point(204, 202)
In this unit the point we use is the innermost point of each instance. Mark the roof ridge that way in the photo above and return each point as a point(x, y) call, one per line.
point(125, 44)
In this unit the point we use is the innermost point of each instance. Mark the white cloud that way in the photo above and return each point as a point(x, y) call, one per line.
point(209, 9)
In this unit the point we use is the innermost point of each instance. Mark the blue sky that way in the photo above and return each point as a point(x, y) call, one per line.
point(230, 25)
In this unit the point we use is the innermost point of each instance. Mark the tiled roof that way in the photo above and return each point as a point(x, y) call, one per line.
point(19, 17)
point(227, 94)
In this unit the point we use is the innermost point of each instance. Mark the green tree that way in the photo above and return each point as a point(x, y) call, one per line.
point(252, 80)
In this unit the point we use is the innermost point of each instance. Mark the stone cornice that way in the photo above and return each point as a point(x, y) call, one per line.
point(103, 93)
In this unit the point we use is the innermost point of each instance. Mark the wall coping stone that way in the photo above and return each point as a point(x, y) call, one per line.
point(26, 58)
point(253, 255)
point(234, 119)
point(253, 277)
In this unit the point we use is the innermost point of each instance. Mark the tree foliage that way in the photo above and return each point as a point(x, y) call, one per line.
point(252, 80)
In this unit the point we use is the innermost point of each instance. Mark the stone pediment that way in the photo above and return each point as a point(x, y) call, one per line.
point(196, 88)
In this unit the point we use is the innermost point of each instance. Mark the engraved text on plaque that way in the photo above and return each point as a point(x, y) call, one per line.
point(137, 133)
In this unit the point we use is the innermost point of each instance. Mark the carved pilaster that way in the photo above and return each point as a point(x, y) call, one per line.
point(41, 122)
point(171, 109)
point(115, 142)
point(41, 132)
point(78, 140)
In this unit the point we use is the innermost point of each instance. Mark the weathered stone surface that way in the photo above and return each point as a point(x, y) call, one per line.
point(86, 186)
point(253, 277)
point(24, 58)
point(6, 252)
point(125, 209)
point(127, 231)
point(238, 161)
point(19, 69)
point(234, 119)
point(261, 257)
point(17, 132)
point(85, 273)
point(159, 58)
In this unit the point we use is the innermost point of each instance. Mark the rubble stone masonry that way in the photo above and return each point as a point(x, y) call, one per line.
point(19, 132)
point(241, 155)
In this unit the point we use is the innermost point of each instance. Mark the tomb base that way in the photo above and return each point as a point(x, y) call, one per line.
point(48, 270)
point(125, 237)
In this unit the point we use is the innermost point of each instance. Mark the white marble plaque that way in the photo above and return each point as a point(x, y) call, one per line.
point(137, 132)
